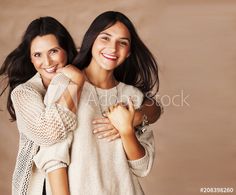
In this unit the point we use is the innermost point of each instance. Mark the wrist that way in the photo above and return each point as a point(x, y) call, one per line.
point(138, 117)
point(143, 126)
point(127, 132)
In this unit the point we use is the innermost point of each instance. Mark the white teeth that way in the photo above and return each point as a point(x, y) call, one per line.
point(110, 56)
point(50, 70)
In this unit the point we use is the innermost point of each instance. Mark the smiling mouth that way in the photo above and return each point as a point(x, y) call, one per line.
point(51, 70)
point(110, 57)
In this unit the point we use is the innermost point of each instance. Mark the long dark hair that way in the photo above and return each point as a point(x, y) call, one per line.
point(140, 69)
point(17, 67)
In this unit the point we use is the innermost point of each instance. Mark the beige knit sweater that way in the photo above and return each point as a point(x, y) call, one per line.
point(41, 122)
point(99, 167)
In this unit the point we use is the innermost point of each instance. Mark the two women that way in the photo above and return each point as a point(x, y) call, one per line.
point(45, 103)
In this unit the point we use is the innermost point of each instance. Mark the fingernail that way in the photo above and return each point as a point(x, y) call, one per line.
point(100, 136)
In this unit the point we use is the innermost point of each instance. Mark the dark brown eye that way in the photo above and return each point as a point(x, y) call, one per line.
point(105, 38)
point(53, 51)
point(37, 55)
point(124, 43)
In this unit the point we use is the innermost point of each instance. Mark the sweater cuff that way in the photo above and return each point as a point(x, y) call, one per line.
point(141, 163)
point(56, 88)
point(60, 79)
point(54, 156)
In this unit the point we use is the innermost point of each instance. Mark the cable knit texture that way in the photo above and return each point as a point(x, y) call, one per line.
point(98, 166)
point(40, 122)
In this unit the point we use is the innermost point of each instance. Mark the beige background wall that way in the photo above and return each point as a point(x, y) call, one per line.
point(195, 44)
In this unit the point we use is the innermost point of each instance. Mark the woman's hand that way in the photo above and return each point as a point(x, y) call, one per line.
point(104, 129)
point(73, 73)
point(71, 95)
point(122, 117)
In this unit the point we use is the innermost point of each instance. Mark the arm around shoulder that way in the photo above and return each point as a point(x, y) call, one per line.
point(150, 108)
point(41, 123)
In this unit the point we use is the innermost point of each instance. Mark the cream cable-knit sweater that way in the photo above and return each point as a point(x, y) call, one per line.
point(99, 167)
point(41, 122)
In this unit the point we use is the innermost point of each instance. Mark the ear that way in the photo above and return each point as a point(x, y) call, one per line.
point(128, 55)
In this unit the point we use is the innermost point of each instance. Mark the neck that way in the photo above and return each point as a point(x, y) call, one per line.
point(102, 79)
point(45, 82)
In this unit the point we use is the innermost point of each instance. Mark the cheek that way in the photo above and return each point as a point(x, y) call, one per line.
point(36, 63)
point(61, 58)
point(97, 46)
point(94, 51)
point(126, 52)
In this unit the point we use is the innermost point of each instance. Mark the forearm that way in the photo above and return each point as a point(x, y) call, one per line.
point(141, 167)
point(70, 97)
point(68, 90)
point(72, 94)
point(58, 180)
point(133, 149)
point(45, 124)
point(151, 108)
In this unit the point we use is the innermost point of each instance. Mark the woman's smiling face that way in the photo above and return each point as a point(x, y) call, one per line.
point(47, 56)
point(111, 47)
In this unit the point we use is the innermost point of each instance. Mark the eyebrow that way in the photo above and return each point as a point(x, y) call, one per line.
point(56, 47)
point(123, 38)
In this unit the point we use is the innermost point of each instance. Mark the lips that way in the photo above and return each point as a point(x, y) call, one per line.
point(109, 56)
point(51, 70)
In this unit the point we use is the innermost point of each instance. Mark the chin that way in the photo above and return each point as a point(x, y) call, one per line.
point(109, 67)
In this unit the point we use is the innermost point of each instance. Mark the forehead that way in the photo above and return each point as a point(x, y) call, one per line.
point(118, 29)
point(44, 42)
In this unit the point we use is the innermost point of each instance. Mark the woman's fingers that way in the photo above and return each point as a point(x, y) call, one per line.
point(107, 132)
point(113, 137)
point(101, 121)
point(109, 136)
point(99, 128)
point(131, 105)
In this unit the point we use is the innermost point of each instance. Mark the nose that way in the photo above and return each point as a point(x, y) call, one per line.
point(113, 46)
point(47, 61)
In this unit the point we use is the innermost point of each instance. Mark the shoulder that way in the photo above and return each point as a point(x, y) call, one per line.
point(127, 91)
point(33, 85)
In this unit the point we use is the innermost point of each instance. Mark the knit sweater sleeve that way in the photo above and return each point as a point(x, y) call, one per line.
point(142, 167)
point(50, 158)
point(44, 123)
